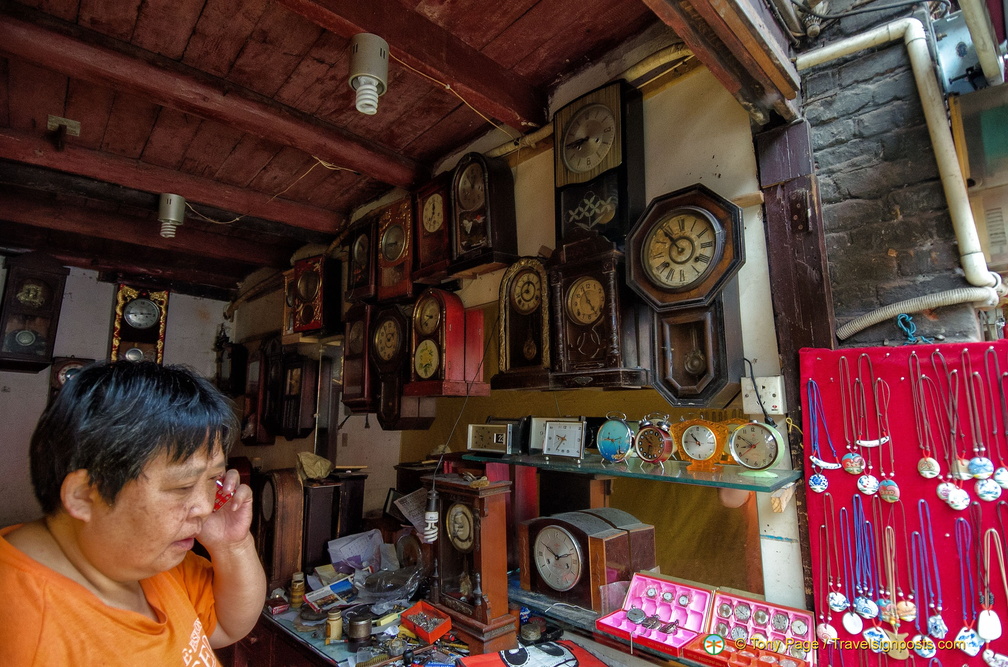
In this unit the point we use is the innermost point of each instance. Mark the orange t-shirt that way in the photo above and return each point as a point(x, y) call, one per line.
point(47, 619)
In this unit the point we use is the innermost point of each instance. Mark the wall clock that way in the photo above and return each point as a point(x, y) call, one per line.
point(138, 325)
point(313, 295)
point(599, 164)
point(446, 344)
point(432, 226)
point(600, 339)
point(361, 274)
point(230, 364)
point(300, 395)
point(685, 248)
point(698, 352)
point(29, 315)
point(254, 430)
point(395, 250)
point(389, 355)
point(523, 332)
point(358, 388)
point(471, 569)
point(568, 556)
point(62, 369)
point(483, 225)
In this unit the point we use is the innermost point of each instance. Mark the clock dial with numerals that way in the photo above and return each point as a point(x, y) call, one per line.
point(524, 328)
point(138, 327)
point(361, 285)
point(558, 558)
point(387, 339)
point(585, 300)
point(483, 225)
point(433, 240)
point(395, 250)
point(526, 291)
point(679, 250)
point(588, 138)
point(358, 385)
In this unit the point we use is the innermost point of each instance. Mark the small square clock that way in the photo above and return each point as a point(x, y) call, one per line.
point(537, 431)
point(564, 438)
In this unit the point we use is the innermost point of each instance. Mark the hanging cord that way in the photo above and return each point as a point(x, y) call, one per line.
point(906, 324)
point(752, 376)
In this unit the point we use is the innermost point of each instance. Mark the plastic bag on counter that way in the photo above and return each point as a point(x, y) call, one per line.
point(389, 585)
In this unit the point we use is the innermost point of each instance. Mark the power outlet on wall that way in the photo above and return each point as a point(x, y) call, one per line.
point(771, 393)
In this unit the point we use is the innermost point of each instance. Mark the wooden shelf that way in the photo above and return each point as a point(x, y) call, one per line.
point(676, 472)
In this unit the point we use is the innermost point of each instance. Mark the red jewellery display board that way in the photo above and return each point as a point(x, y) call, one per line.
point(884, 431)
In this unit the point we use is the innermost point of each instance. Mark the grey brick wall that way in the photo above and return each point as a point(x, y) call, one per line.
point(888, 232)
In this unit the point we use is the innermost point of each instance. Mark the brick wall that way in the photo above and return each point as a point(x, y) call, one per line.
point(888, 232)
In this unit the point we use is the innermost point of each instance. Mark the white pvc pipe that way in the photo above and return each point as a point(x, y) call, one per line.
point(953, 297)
point(911, 31)
point(981, 31)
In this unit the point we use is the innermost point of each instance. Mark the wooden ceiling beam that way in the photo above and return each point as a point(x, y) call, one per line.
point(739, 49)
point(67, 217)
point(22, 147)
point(171, 84)
point(423, 45)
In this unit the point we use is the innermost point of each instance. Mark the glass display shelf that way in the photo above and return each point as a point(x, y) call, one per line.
point(676, 472)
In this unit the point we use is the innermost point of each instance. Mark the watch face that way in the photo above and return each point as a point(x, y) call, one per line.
point(564, 439)
point(68, 371)
point(141, 313)
point(679, 250)
point(614, 439)
point(355, 338)
point(427, 359)
point(427, 315)
point(433, 213)
point(460, 527)
point(754, 446)
point(699, 442)
point(588, 138)
point(526, 291)
point(387, 340)
point(393, 243)
point(33, 293)
point(558, 558)
point(360, 250)
point(308, 284)
point(585, 300)
point(652, 444)
point(471, 193)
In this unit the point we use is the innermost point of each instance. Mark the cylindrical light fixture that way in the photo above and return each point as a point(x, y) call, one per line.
point(171, 214)
point(368, 70)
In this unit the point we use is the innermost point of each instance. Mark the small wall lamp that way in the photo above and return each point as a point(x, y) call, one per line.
point(368, 70)
point(171, 214)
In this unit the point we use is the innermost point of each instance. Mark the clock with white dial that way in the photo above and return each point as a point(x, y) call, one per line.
point(564, 438)
point(699, 442)
point(755, 446)
point(558, 558)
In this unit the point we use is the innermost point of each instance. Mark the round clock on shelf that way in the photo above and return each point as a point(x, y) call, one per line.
point(614, 438)
point(558, 558)
point(388, 339)
point(702, 442)
point(684, 248)
point(653, 442)
point(755, 446)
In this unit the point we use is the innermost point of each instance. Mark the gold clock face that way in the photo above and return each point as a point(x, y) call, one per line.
point(460, 527)
point(308, 284)
point(427, 359)
point(387, 340)
point(33, 293)
point(699, 442)
point(433, 213)
point(393, 242)
point(558, 558)
point(427, 315)
point(588, 138)
point(471, 193)
point(360, 250)
point(680, 250)
point(355, 338)
point(526, 291)
point(586, 300)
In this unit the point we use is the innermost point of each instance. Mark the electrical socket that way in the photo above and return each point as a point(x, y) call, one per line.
point(771, 392)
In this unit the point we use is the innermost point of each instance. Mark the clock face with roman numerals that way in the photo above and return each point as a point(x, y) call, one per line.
point(678, 251)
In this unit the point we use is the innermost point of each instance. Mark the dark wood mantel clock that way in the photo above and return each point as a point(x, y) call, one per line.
point(484, 232)
point(470, 582)
point(30, 312)
point(389, 341)
point(602, 338)
point(138, 324)
point(358, 393)
point(524, 327)
point(362, 262)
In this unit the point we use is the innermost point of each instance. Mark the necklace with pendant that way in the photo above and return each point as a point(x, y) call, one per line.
point(928, 466)
point(824, 630)
point(851, 621)
point(929, 567)
point(864, 541)
point(995, 378)
point(817, 422)
point(988, 621)
point(922, 644)
point(967, 639)
point(852, 461)
point(979, 467)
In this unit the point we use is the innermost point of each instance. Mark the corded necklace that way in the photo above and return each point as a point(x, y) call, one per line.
point(967, 639)
point(988, 622)
point(852, 461)
point(929, 566)
point(928, 466)
point(867, 483)
point(923, 645)
point(888, 489)
point(825, 632)
point(817, 422)
point(981, 467)
point(864, 569)
point(851, 619)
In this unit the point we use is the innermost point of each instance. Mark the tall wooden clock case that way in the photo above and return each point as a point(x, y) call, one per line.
point(471, 571)
point(138, 325)
point(524, 327)
point(30, 313)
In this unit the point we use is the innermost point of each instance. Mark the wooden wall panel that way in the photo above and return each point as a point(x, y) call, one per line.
point(320, 76)
point(278, 43)
point(115, 19)
point(220, 34)
point(246, 160)
point(129, 125)
point(164, 26)
point(210, 147)
point(35, 92)
point(91, 106)
point(170, 137)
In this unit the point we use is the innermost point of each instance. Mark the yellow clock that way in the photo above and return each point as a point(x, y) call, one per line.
point(460, 527)
point(586, 300)
point(701, 441)
point(526, 291)
point(427, 359)
point(433, 213)
point(387, 340)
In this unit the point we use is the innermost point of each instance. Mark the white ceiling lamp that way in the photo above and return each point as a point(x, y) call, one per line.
point(368, 70)
point(171, 214)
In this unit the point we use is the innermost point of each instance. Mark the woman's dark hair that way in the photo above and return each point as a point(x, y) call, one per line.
point(113, 418)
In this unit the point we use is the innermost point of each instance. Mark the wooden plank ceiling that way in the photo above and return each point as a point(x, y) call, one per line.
point(243, 107)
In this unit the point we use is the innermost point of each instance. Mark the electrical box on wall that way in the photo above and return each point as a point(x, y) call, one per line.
point(770, 393)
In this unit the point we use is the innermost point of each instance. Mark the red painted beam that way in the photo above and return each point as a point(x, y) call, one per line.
point(63, 217)
point(130, 173)
point(427, 47)
point(166, 83)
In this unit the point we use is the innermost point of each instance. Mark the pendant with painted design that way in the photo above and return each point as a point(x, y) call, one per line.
point(968, 641)
point(958, 499)
point(980, 467)
point(888, 490)
point(924, 646)
point(928, 467)
point(853, 463)
point(936, 626)
point(868, 484)
point(818, 482)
